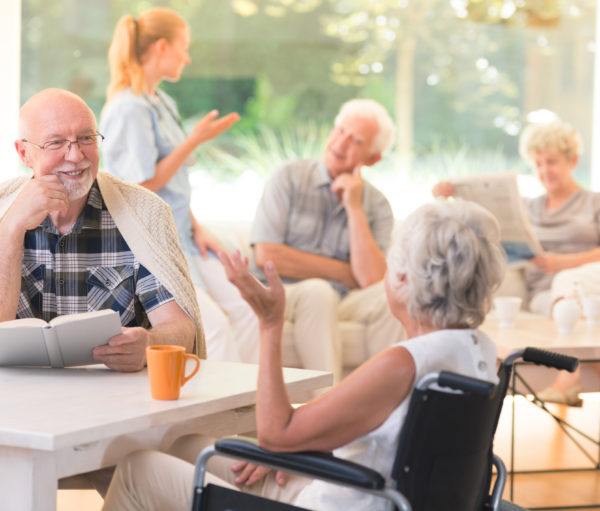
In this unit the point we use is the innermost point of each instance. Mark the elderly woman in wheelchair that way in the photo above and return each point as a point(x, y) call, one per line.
point(443, 267)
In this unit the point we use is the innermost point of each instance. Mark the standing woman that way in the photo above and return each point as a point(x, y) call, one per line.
point(146, 144)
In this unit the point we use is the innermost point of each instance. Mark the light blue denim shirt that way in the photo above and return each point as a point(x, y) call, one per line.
point(139, 131)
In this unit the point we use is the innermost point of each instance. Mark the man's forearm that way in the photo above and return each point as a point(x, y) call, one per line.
point(180, 332)
point(367, 260)
point(297, 264)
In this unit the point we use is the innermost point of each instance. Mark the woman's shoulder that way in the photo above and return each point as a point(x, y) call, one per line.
point(448, 345)
point(592, 198)
point(592, 195)
point(126, 101)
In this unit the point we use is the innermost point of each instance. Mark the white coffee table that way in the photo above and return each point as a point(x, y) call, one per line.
point(56, 423)
point(533, 330)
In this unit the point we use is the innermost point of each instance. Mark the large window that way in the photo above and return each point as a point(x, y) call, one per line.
point(460, 77)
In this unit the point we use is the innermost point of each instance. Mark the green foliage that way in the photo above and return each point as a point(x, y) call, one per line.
point(263, 149)
point(443, 162)
point(197, 95)
point(267, 108)
point(279, 63)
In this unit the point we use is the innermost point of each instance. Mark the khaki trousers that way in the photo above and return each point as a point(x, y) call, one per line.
point(315, 310)
point(155, 481)
point(230, 325)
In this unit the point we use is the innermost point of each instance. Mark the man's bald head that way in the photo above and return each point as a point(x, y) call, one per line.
point(51, 124)
point(43, 105)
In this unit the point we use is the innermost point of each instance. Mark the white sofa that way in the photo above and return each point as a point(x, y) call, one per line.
point(513, 285)
point(353, 334)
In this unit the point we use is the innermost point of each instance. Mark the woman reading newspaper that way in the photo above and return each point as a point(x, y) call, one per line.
point(566, 220)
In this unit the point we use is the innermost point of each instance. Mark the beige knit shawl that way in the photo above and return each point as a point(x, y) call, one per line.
point(146, 223)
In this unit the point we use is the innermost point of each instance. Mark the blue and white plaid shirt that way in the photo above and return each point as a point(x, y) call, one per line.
point(89, 268)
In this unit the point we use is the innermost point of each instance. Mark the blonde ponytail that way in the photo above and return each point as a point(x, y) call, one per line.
point(131, 40)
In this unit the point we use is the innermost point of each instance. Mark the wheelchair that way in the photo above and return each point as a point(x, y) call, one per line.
point(444, 458)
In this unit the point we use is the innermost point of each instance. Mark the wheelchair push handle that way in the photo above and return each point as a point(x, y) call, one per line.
point(550, 359)
point(465, 383)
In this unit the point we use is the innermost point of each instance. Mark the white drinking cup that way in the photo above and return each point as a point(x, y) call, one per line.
point(566, 312)
point(591, 309)
point(507, 308)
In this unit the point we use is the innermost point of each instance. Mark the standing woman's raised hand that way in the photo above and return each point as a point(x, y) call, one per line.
point(211, 126)
point(442, 189)
point(267, 302)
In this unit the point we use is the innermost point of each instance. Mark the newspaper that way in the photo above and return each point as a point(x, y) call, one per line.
point(499, 194)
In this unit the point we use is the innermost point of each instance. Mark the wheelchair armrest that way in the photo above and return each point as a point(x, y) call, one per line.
point(316, 464)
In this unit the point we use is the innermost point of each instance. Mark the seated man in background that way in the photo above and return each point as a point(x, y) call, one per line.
point(327, 231)
point(77, 240)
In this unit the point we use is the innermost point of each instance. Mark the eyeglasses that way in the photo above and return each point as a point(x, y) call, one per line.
point(57, 145)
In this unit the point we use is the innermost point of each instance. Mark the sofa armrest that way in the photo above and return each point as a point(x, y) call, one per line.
point(232, 235)
point(513, 284)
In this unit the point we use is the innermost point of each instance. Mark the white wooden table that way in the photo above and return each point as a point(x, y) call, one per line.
point(56, 423)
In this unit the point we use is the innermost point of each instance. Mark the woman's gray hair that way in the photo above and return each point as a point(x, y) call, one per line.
point(370, 109)
point(555, 136)
point(450, 255)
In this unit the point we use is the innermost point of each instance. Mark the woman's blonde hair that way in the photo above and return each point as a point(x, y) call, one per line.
point(555, 136)
point(131, 40)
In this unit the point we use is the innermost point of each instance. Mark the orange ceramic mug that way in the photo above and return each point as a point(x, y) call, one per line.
point(166, 370)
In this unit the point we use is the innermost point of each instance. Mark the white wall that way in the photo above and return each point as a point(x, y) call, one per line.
point(595, 149)
point(10, 56)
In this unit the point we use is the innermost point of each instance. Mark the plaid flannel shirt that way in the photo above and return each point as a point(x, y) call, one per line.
point(89, 268)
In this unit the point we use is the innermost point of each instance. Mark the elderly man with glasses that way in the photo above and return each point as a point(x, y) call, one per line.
point(77, 240)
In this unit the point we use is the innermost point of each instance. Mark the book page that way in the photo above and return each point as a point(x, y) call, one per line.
point(23, 345)
point(15, 323)
point(82, 316)
point(64, 341)
point(499, 194)
point(79, 334)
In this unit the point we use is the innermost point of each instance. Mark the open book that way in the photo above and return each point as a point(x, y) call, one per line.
point(65, 341)
point(499, 194)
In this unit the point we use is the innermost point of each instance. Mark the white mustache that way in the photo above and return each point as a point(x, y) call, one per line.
point(71, 168)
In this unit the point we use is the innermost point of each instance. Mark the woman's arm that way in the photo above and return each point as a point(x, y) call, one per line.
point(207, 128)
point(353, 408)
point(358, 405)
point(550, 262)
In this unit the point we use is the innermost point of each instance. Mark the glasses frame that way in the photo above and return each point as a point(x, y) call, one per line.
point(44, 146)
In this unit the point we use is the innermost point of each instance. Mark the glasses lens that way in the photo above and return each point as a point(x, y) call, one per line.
point(88, 139)
point(55, 145)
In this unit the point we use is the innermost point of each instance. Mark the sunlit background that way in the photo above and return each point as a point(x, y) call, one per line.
point(460, 77)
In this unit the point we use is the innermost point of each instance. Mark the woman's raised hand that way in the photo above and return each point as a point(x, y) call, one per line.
point(442, 189)
point(210, 126)
point(267, 302)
